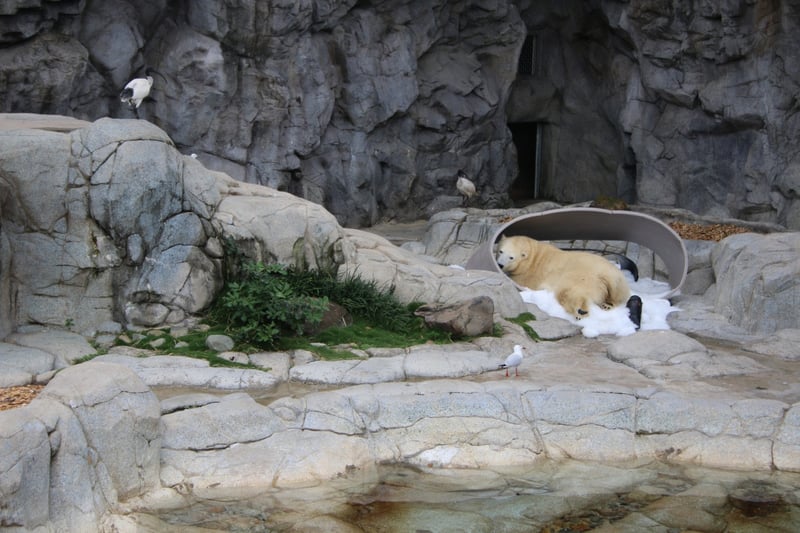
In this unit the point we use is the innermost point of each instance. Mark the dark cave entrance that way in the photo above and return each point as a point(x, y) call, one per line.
point(527, 137)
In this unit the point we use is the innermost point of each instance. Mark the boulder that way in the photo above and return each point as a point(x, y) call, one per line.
point(425, 361)
point(24, 470)
point(447, 362)
point(374, 258)
point(151, 263)
point(29, 361)
point(469, 318)
point(758, 281)
point(65, 347)
point(655, 346)
point(178, 371)
point(335, 316)
point(352, 371)
point(78, 449)
point(76, 497)
point(670, 355)
point(219, 343)
point(235, 418)
point(276, 363)
point(120, 418)
point(782, 344)
point(99, 246)
point(700, 274)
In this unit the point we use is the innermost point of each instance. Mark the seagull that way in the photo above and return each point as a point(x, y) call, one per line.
point(137, 90)
point(465, 186)
point(513, 360)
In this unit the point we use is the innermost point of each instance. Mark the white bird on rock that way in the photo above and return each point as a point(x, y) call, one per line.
point(465, 186)
point(513, 360)
point(137, 90)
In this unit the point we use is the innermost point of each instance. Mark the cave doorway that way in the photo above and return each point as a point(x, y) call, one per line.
point(527, 137)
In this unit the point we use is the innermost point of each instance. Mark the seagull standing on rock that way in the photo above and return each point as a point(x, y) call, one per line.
point(513, 360)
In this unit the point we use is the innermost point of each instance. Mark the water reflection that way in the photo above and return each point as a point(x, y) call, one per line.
point(549, 497)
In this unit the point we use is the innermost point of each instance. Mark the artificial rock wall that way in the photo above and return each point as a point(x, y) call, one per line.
point(370, 107)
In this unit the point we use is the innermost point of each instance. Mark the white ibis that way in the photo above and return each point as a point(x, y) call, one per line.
point(513, 360)
point(465, 186)
point(137, 90)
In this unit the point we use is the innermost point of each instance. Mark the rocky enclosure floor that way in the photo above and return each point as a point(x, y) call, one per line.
point(12, 397)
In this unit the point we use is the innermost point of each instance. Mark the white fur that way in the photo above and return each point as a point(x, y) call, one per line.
point(614, 321)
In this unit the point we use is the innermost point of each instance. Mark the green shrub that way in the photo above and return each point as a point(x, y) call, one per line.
point(270, 306)
point(362, 298)
point(261, 304)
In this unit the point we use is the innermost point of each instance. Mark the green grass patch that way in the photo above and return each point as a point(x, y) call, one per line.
point(85, 358)
point(363, 299)
point(364, 335)
point(268, 307)
point(190, 345)
point(361, 335)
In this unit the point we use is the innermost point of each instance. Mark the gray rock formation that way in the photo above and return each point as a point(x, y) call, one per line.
point(70, 234)
point(88, 449)
point(652, 395)
point(370, 108)
point(76, 451)
point(176, 371)
point(762, 275)
point(687, 105)
point(110, 224)
point(311, 99)
point(469, 318)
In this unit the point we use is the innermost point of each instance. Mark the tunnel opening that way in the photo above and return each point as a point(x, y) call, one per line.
point(527, 137)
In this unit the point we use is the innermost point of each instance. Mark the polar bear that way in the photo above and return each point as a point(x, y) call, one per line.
point(577, 279)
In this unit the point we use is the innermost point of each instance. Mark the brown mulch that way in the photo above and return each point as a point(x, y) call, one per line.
point(11, 397)
point(706, 232)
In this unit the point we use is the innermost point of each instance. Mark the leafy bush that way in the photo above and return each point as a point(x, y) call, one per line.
point(269, 306)
point(362, 298)
point(261, 304)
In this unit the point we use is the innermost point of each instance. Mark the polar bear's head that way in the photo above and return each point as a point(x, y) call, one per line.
point(511, 252)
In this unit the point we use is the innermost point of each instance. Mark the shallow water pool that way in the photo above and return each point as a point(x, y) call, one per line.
point(549, 497)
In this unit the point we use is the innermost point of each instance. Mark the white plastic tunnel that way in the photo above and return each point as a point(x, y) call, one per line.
point(589, 223)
